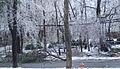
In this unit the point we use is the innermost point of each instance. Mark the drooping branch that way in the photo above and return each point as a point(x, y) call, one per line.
point(72, 9)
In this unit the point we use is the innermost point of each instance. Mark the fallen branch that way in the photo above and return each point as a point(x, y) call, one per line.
point(49, 54)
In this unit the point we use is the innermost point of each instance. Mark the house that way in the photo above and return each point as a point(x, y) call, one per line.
point(114, 35)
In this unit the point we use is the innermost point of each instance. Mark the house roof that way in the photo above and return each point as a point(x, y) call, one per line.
point(114, 34)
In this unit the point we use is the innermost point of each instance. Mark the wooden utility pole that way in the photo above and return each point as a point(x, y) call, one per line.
point(67, 35)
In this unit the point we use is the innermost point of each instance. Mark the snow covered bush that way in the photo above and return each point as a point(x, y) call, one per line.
point(34, 56)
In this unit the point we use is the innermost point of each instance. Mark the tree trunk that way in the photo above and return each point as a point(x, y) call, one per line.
point(67, 35)
point(88, 46)
point(98, 8)
point(81, 47)
point(21, 39)
point(57, 21)
point(13, 29)
point(18, 44)
point(44, 31)
point(109, 29)
point(14, 34)
point(98, 11)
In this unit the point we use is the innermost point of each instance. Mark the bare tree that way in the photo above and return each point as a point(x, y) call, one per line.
point(98, 10)
point(57, 20)
point(81, 43)
point(13, 28)
point(14, 34)
point(44, 31)
point(67, 35)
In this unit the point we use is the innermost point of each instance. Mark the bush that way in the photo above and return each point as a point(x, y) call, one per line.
point(29, 47)
point(0, 61)
point(27, 58)
point(39, 46)
point(51, 46)
point(116, 50)
point(35, 56)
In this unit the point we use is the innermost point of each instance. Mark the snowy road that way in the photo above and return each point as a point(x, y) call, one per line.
point(90, 63)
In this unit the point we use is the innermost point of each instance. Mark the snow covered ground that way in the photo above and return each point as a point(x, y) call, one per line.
point(89, 64)
point(89, 61)
point(98, 58)
point(93, 53)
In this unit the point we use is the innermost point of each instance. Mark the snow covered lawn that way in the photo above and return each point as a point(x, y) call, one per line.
point(98, 58)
